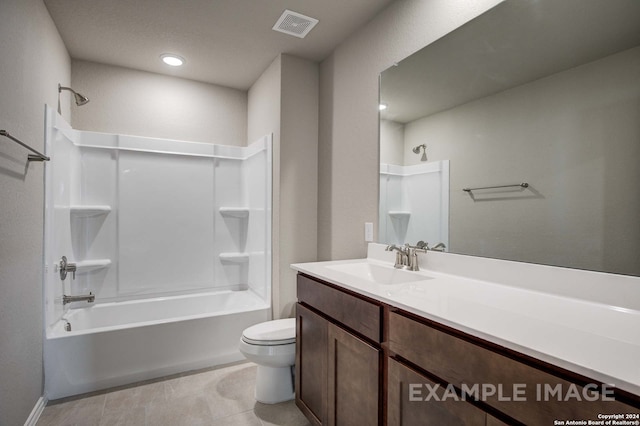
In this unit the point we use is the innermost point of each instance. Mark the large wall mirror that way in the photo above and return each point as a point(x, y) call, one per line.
point(517, 137)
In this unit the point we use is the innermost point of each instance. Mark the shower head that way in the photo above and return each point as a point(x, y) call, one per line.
point(79, 98)
point(416, 150)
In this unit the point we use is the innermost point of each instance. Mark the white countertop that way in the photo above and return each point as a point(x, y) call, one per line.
point(598, 340)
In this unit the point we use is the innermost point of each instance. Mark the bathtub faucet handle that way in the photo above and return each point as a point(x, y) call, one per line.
point(66, 267)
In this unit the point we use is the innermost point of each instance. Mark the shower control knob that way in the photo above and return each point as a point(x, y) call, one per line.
point(66, 267)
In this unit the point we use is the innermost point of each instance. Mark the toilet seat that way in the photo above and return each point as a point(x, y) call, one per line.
point(271, 333)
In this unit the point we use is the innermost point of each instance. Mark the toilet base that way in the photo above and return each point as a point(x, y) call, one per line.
point(274, 384)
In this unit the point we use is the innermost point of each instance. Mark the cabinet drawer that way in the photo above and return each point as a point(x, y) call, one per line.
point(412, 402)
point(357, 314)
point(459, 362)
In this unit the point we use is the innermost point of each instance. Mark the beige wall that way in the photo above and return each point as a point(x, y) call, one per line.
point(34, 61)
point(348, 160)
point(298, 173)
point(573, 137)
point(392, 144)
point(284, 101)
point(264, 101)
point(131, 102)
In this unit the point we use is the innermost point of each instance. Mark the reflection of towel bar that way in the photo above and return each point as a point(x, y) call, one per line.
point(31, 157)
point(522, 185)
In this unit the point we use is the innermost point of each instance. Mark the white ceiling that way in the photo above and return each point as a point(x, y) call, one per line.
point(225, 42)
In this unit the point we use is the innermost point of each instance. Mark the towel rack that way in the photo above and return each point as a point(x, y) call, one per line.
point(522, 185)
point(32, 157)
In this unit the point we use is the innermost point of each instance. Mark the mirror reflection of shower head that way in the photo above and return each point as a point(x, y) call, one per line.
point(79, 98)
point(416, 150)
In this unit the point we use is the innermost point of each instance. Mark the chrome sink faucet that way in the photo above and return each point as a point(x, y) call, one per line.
point(402, 255)
point(407, 255)
point(413, 255)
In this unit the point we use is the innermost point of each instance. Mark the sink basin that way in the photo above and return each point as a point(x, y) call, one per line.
point(378, 274)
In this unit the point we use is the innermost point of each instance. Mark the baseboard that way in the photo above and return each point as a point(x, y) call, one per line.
point(36, 412)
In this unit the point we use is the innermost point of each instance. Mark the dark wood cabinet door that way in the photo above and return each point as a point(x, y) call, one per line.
point(311, 364)
point(492, 421)
point(353, 377)
point(410, 401)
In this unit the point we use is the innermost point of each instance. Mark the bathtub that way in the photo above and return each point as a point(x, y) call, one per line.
point(113, 344)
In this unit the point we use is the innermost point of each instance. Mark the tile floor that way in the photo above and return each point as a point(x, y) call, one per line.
point(213, 397)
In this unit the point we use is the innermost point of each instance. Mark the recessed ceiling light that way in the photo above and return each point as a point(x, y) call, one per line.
point(171, 59)
point(382, 107)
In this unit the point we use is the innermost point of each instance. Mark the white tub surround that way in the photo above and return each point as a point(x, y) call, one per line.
point(172, 238)
point(414, 202)
point(114, 344)
point(585, 322)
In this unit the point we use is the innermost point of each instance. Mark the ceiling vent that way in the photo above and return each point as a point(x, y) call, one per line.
point(295, 24)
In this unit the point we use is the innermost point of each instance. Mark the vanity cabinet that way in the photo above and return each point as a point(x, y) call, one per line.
point(362, 362)
point(507, 383)
point(338, 355)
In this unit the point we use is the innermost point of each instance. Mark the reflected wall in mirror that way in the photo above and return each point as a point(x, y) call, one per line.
point(545, 92)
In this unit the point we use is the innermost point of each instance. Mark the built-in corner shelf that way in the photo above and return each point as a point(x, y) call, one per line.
point(85, 266)
point(399, 214)
point(234, 257)
point(89, 210)
point(235, 211)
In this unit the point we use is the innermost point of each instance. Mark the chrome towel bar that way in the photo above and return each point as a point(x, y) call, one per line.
point(522, 185)
point(32, 157)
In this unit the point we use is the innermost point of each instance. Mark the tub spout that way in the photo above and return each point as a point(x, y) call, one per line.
point(87, 298)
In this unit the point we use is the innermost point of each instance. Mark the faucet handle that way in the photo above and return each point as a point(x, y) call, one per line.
point(439, 247)
point(66, 267)
point(422, 245)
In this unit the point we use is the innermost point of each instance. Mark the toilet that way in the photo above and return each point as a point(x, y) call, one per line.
point(272, 346)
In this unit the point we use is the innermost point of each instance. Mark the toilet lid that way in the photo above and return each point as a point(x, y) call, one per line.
point(277, 332)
